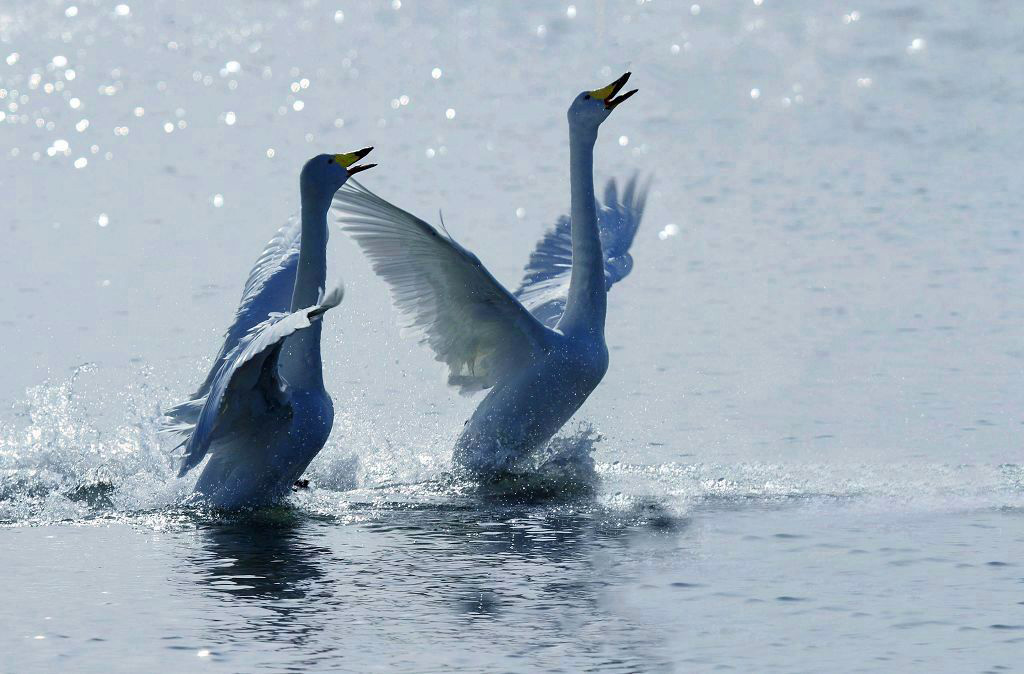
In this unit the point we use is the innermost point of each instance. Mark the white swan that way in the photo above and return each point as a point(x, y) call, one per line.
point(540, 366)
point(262, 413)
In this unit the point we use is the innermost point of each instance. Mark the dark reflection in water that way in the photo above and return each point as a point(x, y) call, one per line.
point(265, 556)
point(537, 584)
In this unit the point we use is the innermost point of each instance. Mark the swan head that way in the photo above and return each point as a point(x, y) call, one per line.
point(590, 108)
point(324, 174)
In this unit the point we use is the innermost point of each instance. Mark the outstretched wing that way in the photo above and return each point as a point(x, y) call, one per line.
point(246, 382)
point(267, 290)
point(545, 283)
point(444, 293)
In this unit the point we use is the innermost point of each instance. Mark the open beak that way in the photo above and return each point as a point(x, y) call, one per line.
point(607, 94)
point(349, 158)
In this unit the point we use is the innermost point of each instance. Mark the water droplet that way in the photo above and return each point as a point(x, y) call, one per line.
point(542, 30)
point(139, 111)
point(168, 127)
point(339, 16)
point(60, 61)
point(81, 162)
point(430, 153)
point(71, 12)
point(82, 125)
point(570, 11)
point(916, 45)
point(695, 9)
point(122, 10)
point(61, 145)
point(270, 153)
point(13, 58)
point(674, 49)
point(396, 5)
point(403, 99)
point(203, 653)
point(218, 200)
point(450, 113)
point(232, 66)
point(520, 212)
point(298, 105)
point(229, 118)
point(103, 220)
point(623, 141)
point(755, 93)
point(436, 73)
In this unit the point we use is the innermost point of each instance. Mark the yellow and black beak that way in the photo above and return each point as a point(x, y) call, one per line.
point(350, 158)
point(607, 94)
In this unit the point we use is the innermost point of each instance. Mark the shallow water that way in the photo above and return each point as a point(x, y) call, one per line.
point(806, 454)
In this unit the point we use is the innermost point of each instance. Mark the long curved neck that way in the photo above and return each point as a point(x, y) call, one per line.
point(300, 361)
point(311, 274)
point(586, 306)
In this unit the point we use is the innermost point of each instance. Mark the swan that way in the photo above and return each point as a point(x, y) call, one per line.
point(262, 413)
point(540, 351)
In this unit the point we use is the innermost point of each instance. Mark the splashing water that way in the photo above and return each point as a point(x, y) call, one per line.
point(58, 462)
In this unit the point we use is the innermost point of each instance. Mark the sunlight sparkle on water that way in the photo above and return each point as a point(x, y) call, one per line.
point(671, 229)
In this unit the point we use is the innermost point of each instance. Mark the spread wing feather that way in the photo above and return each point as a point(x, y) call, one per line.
point(545, 284)
point(445, 295)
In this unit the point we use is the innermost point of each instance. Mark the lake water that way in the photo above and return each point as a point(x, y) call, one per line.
point(807, 450)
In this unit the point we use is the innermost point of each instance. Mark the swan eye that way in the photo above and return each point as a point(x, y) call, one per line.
point(586, 97)
point(331, 160)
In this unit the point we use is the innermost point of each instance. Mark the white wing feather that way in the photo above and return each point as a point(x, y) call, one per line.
point(545, 284)
point(267, 290)
point(444, 293)
point(246, 382)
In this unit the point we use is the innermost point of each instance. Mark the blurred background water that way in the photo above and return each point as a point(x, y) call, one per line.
point(808, 443)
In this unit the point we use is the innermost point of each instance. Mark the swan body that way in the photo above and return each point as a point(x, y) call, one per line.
point(540, 352)
point(262, 413)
